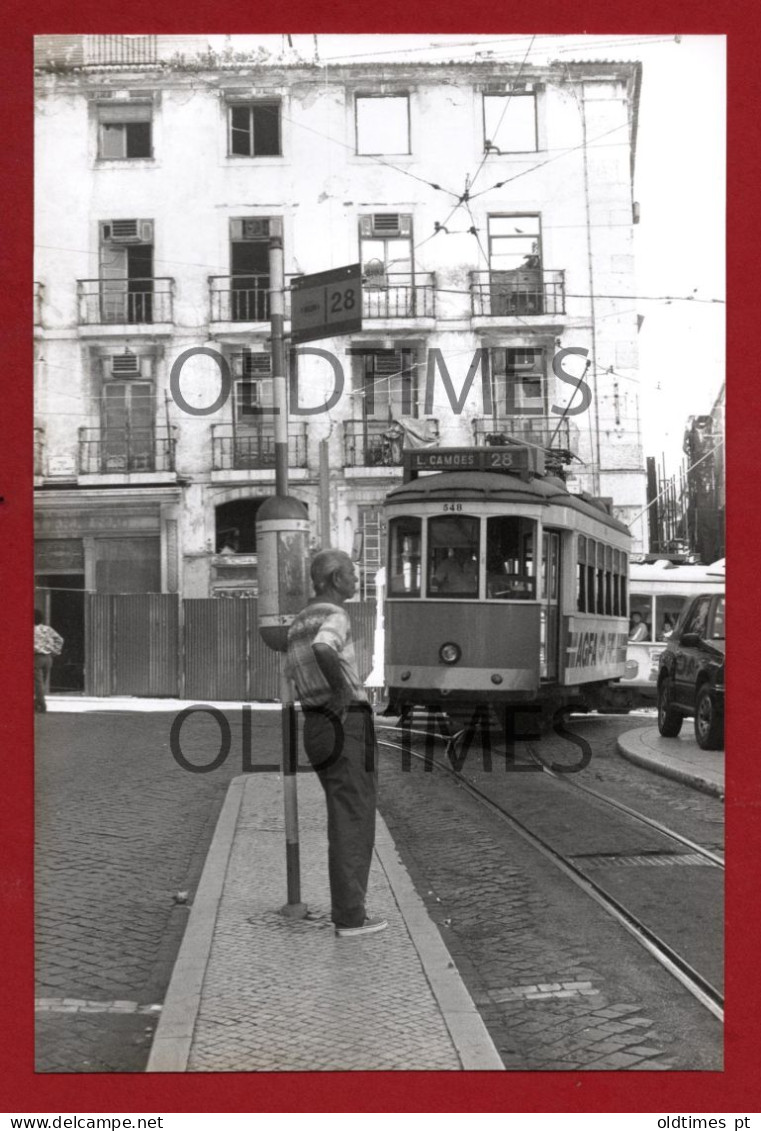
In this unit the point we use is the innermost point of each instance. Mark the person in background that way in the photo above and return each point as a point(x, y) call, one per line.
point(47, 644)
point(668, 628)
point(339, 736)
point(637, 628)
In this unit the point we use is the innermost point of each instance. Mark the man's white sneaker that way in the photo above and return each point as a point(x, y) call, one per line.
point(369, 927)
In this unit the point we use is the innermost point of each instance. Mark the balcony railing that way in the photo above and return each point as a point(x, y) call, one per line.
point(38, 292)
point(516, 294)
point(39, 451)
point(253, 449)
point(239, 298)
point(551, 432)
point(124, 301)
point(398, 296)
point(378, 443)
point(105, 451)
point(102, 50)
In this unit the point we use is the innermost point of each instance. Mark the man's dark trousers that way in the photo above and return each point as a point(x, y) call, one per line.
point(344, 754)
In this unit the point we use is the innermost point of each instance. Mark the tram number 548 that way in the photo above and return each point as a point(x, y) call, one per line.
point(452, 506)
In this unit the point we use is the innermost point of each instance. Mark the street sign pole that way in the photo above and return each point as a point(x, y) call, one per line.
point(294, 908)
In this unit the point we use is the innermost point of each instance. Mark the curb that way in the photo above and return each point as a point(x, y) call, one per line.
point(469, 1034)
point(171, 1047)
point(665, 770)
point(170, 1050)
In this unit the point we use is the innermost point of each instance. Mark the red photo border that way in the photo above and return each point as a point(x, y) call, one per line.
point(738, 1087)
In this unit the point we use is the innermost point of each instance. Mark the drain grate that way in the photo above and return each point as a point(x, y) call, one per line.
point(651, 860)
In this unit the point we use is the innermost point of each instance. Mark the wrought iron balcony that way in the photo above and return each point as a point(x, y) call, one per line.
point(253, 448)
point(39, 452)
point(378, 443)
point(38, 292)
point(106, 451)
point(552, 432)
point(398, 296)
point(517, 294)
point(239, 298)
point(126, 302)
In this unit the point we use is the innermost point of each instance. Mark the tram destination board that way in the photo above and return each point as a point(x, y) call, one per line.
point(326, 304)
point(512, 459)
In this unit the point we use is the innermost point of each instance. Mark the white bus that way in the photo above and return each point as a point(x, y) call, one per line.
point(657, 592)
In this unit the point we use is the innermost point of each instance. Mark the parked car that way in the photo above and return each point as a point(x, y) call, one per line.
point(691, 673)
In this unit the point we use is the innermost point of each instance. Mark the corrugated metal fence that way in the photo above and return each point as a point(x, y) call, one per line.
point(154, 644)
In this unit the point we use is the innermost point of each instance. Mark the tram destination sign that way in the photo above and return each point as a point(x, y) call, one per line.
point(326, 304)
point(515, 459)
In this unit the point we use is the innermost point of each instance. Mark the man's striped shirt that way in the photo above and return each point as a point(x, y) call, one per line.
point(321, 623)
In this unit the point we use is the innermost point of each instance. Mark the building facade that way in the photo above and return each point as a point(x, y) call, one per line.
point(490, 207)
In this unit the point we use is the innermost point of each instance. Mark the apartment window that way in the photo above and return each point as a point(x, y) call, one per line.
point(249, 268)
point(510, 122)
point(519, 384)
point(385, 247)
point(386, 383)
point(127, 284)
point(254, 130)
point(127, 419)
point(125, 131)
point(383, 124)
point(254, 398)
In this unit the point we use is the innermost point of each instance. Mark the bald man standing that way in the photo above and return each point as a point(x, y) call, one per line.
point(339, 736)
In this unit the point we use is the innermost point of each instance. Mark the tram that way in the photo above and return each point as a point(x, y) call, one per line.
point(503, 588)
point(658, 592)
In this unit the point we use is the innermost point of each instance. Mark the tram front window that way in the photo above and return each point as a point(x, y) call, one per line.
point(453, 556)
point(404, 557)
point(510, 556)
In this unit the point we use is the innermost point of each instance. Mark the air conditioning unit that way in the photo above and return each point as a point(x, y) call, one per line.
point(127, 231)
point(123, 366)
point(250, 228)
point(248, 364)
point(386, 224)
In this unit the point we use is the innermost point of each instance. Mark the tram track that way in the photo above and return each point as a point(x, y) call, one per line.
point(666, 955)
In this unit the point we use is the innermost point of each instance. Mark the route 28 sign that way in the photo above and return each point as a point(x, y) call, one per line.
point(326, 304)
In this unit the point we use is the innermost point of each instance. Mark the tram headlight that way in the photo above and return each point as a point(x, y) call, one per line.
point(449, 653)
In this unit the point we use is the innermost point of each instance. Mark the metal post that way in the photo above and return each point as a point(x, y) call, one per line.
point(294, 908)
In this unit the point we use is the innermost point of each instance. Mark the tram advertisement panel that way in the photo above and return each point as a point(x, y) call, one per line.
point(593, 651)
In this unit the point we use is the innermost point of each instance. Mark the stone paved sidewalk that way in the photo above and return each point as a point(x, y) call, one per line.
point(255, 991)
point(678, 758)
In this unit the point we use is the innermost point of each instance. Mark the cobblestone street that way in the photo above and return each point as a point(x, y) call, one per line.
point(559, 984)
point(122, 833)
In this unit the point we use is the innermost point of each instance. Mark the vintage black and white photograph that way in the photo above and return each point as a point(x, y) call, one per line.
point(379, 498)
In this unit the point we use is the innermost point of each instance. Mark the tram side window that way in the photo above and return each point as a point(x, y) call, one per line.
point(591, 558)
point(641, 619)
point(581, 575)
point(453, 545)
point(619, 583)
point(667, 612)
point(404, 557)
point(609, 581)
point(510, 557)
point(600, 587)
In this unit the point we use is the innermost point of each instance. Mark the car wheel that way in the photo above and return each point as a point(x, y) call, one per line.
point(709, 723)
point(669, 720)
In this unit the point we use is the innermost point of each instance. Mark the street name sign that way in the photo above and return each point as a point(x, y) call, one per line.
point(326, 304)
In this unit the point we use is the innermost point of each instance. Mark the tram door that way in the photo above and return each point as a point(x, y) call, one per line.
point(550, 621)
